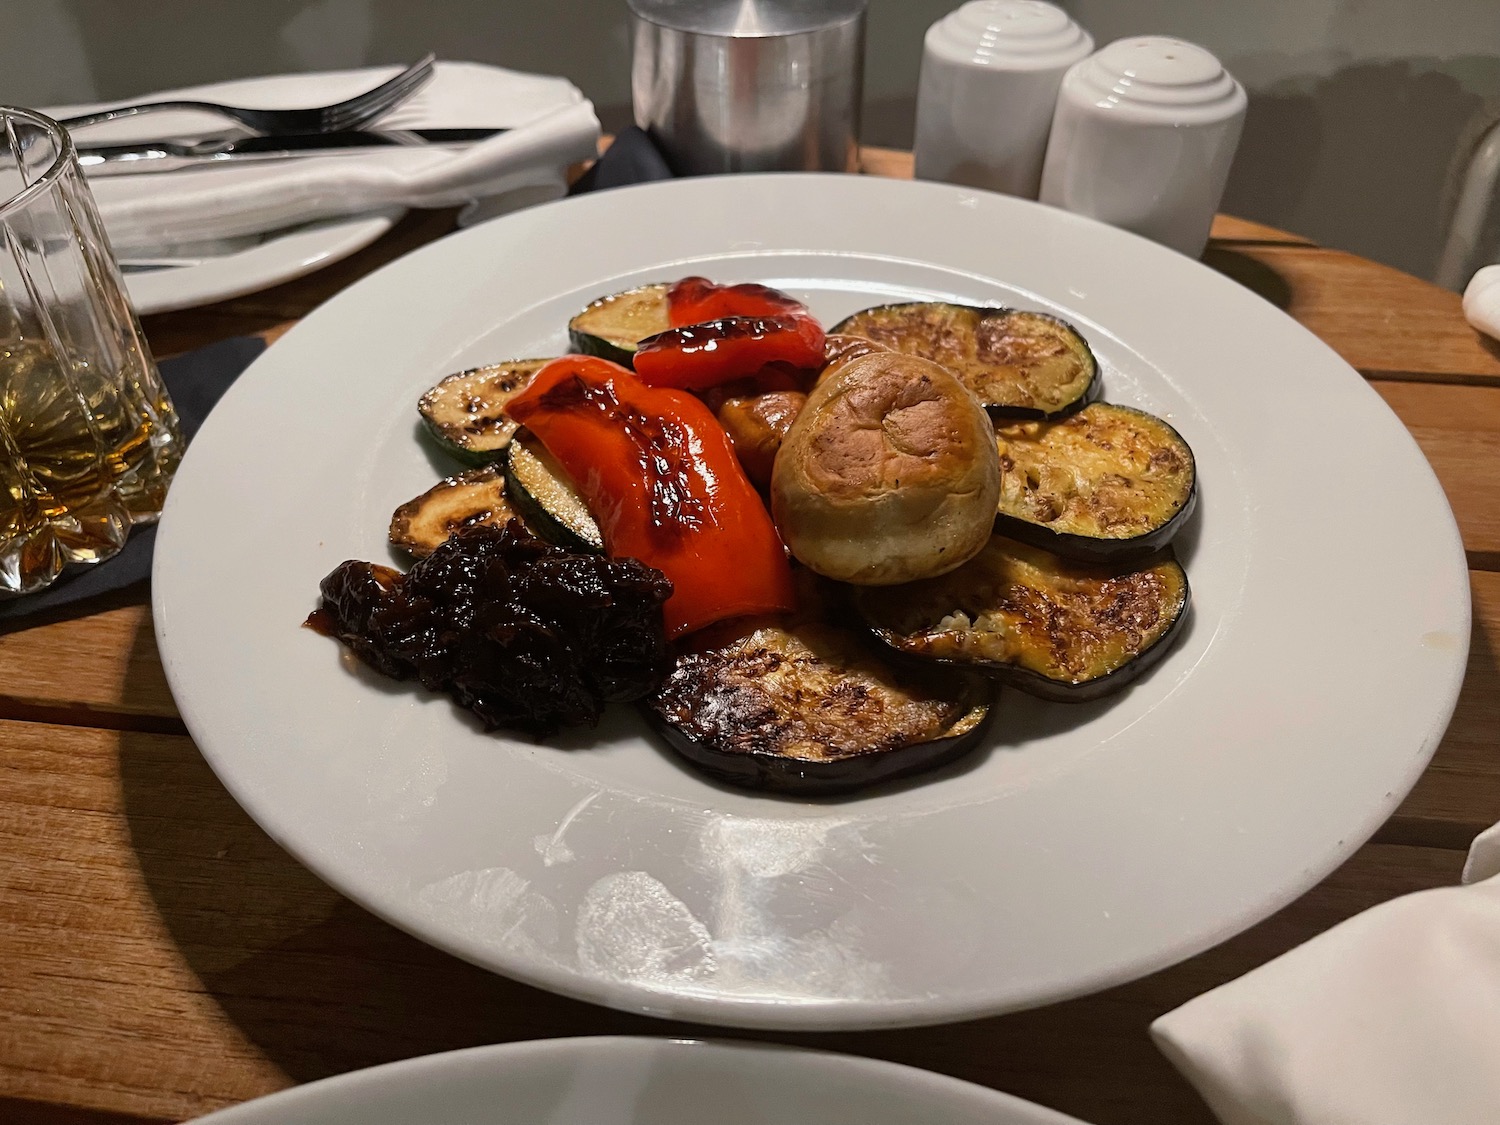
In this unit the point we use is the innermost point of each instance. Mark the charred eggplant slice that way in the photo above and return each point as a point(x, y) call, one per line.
point(544, 495)
point(612, 326)
point(1061, 630)
point(807, 707)
point(1108, 482)
point(1018, 363)
point(466, 412)
point(470, 499)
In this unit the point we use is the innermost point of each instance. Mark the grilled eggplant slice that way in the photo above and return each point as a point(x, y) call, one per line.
point(804, 705)
point(1106, 483)
point(839, 350)
point(612, 326)
point(1057, 629)
point(467, 500)
point(466, 412)
point(544, 494)
point(1018, 363)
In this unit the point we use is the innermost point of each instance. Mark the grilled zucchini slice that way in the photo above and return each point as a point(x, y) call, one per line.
point(544, 494)
point(1018, 363)
point(1057, 629)
point(806, 705)
point(466, 412)
point(1109, 482)
point(612, 326)
point(469, 499)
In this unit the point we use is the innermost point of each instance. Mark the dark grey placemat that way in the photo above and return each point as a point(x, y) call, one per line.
point(195, 381)
point(631, 159)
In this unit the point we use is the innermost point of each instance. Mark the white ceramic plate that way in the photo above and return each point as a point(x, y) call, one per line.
point(186, 277)
point(203, 274)
point(459, 95)
point(1082, 846)
point(625, 1081)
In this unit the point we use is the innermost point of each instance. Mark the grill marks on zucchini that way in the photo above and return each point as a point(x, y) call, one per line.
point(470, 499)
point(466, 412)
point(1060, 630)
point(1107, 482)
point(1016, 362)
point(612, 326)
point(804, 705)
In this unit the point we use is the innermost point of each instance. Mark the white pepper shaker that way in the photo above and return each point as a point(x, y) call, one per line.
point(990, 73)
point(1143, 136)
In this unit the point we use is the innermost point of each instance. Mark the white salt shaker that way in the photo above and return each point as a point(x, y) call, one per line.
point(990, 73)
point(1143, 137)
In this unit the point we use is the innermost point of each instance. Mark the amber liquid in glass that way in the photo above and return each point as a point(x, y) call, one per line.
point(84, 454)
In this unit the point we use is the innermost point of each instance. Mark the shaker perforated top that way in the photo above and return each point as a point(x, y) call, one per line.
point(748, 19)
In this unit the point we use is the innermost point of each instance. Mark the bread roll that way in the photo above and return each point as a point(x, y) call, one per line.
point(889, 474)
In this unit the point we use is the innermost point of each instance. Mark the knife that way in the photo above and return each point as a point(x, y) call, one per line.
point(221, 152)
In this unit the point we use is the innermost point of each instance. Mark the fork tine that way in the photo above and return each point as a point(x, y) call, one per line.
point(372, 103)
point(394, 87)
point(419, 75)
point(354, 117)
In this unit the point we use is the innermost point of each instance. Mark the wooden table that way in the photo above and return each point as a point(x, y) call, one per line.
point(161, 957)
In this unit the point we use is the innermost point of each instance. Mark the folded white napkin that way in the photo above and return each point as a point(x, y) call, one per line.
point(1482, 301)
point(551, 126)
point(1390, 1018)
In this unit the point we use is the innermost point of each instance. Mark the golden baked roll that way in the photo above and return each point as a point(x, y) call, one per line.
point(889, 474)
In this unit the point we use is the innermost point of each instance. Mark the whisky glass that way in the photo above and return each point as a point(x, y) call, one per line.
point(88, 436)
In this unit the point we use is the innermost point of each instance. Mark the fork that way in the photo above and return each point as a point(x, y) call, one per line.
point(348, 114)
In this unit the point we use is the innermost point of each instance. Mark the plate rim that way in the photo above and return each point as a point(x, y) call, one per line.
point(259, 267)
point(433, 1067)
point(753, 1012)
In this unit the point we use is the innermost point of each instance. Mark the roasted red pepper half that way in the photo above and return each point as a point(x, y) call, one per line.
point(694, 300)
point(662, 481)
point(700, 356)
point(724, 332)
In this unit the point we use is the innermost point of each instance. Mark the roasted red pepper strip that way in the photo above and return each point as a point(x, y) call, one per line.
point(704, 355)
point(694, 300)
point(661, 479)
point(724, 332)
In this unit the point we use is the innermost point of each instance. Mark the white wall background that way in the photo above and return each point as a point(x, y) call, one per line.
point(1360, 110)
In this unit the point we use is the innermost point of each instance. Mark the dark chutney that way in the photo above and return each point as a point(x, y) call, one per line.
point(528, 636)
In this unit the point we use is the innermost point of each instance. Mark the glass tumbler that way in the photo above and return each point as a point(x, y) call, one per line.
point(88, 437)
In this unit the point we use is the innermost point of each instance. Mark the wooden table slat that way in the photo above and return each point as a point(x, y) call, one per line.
point(1459, 794)
point(1458, 428)
point(103, 669)
point(1385, 323)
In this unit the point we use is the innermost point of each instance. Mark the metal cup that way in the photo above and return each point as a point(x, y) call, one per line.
point(750, 85)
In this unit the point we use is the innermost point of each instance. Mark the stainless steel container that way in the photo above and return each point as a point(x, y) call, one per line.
point(750, 85)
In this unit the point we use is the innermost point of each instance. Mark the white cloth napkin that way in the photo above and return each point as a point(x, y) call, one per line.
point(551, 126)
point(1482, 301)
point(1390, 1018)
